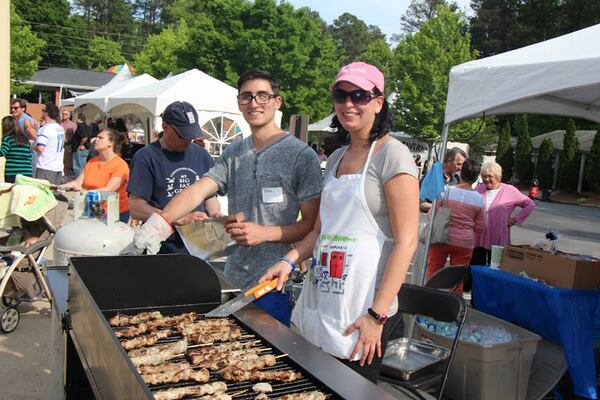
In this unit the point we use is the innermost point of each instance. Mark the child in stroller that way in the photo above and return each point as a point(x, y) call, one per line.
point(23, 247)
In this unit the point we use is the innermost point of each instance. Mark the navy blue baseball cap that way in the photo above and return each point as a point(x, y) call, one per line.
point(182, 116)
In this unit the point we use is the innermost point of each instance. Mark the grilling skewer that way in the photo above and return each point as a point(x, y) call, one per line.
point(157, 354)
point(281, 376)
point(176, 375)
point(146, 340)
point(122, 319)
point(201, 390)
point(153, 325)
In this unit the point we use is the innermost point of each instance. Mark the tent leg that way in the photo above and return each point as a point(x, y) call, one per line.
point(420, 280)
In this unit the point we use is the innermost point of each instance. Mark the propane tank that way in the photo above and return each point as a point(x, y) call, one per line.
point(93, 233)
point(534, 189)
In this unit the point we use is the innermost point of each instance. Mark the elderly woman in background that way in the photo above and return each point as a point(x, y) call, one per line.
point(499, 200)
point(107, 171)
point(467, 217)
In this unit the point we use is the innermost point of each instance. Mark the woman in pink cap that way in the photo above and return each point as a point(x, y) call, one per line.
point(366, 234)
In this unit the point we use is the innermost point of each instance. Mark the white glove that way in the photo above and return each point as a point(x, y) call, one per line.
point(151, 234)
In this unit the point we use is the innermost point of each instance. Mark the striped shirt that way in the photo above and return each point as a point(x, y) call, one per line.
point(18, 157)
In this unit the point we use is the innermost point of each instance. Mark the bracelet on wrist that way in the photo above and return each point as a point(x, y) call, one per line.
point(290, 262)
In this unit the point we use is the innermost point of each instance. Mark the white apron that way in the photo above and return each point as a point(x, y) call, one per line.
point(340, 285)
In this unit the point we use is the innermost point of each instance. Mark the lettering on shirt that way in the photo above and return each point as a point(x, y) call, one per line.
point(180, 179)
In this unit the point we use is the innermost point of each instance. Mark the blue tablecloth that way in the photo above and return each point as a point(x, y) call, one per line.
point(563, 316)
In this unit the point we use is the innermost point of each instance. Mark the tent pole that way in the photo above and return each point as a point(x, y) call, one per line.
point(422, 271)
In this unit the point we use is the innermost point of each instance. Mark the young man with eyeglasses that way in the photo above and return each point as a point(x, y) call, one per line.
point(166, 167)
point(269, 176)
point(50, 146)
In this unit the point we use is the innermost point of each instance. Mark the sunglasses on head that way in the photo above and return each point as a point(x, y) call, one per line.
point(357, 97)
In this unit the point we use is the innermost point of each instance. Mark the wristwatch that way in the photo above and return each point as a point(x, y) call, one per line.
point(380, 318)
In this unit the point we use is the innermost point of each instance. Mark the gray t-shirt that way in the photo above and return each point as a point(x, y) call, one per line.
point(393, 158)
point(268, 186)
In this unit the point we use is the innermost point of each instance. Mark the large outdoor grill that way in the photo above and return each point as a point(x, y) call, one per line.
point(101, 287)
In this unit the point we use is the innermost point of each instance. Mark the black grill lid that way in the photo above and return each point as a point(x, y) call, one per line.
point(129, 282)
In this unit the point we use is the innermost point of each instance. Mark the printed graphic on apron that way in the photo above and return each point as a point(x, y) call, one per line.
point(333, 268)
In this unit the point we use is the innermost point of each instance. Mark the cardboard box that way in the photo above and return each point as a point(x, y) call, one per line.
point(558, 269)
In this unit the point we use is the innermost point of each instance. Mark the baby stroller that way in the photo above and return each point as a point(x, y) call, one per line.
point(22, 252)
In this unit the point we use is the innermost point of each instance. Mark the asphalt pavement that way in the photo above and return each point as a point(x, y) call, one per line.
point(578, 227)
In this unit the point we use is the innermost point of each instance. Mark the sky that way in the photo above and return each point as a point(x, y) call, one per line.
point(383, 13)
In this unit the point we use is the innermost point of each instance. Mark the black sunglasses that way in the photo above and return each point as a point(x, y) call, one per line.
point(357, 97)
point(179, 134)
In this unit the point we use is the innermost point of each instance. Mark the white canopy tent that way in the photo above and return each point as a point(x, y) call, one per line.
point(557, 77)
point(100, 97)
point(215, 101)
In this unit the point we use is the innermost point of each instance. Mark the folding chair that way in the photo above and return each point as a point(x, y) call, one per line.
point(439, 305)
point(448, 278)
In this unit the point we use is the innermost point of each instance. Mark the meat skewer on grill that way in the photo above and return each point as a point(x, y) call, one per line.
point(199, 327)
point(239, 366)
point(155, 369)
point(176, 375)
point(122, 319)
point(241, 376)
point(157, 354)
point(214, 336)
point(200, 357)
point(202, 390)
point(313, 395)
point(146, 340)
point(153, 325)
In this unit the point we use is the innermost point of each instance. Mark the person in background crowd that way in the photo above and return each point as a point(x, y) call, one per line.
point(366, 234)
point(50, 146)
point(16, 150)
point(467, 217)
point(166, 167)
point(322, 155)
point(269, 176)
point(70, 127)
point(27, 123)
point(107, 171)
point(81, 144)
point(500, 200)
point(453, 161)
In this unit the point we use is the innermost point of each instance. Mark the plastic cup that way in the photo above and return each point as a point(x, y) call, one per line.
point(496, 258)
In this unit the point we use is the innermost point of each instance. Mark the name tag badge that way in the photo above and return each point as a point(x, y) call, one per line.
point(272, 195)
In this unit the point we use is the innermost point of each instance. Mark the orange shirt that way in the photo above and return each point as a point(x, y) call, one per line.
point(97, 174)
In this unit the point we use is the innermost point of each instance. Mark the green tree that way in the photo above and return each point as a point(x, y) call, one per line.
point(420, 68)
point(47, 20)
point(504, 153)
point(569, 159)
point(353, 36)
point(379, 54)
point(593, 164)
point(545, 162)
point(523, 150)
point(159, 57)
point(25, 48)
point(420, 11)
point(104, 53)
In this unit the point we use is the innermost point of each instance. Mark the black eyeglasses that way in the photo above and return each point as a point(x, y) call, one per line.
point(44, 110)
point(357, 97)
point(15, 107)
point(260, 98)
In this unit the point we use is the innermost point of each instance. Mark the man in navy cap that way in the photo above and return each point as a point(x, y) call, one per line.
point(166, 167)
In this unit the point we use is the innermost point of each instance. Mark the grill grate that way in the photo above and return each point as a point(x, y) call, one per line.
point(242, 390)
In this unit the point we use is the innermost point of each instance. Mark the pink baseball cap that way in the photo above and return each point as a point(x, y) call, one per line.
point(363, 75)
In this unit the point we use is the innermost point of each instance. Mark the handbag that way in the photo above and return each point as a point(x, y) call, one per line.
point(441, 224)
